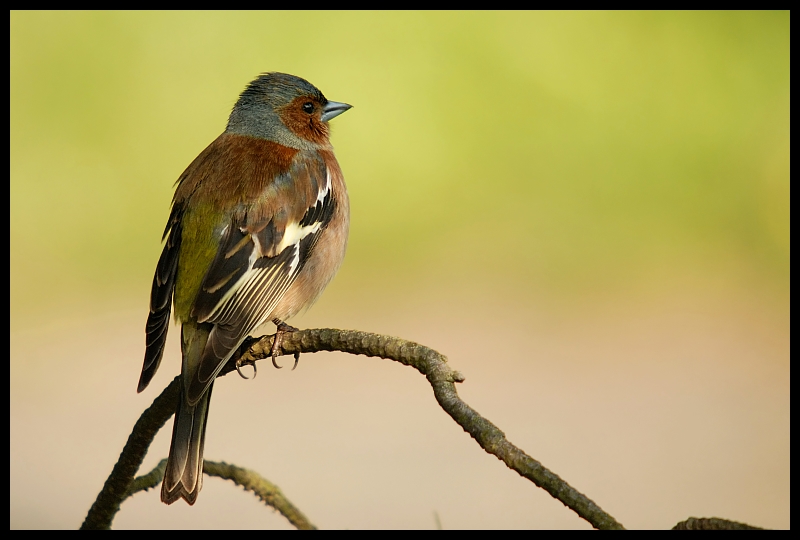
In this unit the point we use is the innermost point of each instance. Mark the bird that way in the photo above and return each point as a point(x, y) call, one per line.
point(257, 229)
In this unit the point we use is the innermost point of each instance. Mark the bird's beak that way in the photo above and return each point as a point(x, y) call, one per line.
point(333, 109)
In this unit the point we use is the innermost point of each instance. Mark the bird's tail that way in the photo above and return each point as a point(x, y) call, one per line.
point(183, 477)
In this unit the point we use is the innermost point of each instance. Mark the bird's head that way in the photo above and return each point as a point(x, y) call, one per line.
point(285, 109)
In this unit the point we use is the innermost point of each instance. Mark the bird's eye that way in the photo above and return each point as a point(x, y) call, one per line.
point(308, 107)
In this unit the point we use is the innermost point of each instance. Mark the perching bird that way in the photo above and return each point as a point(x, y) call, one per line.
point(258, 228)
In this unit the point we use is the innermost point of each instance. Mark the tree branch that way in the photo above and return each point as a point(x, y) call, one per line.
point(434, 366)
point(147, 481)
point(265, 490)
point(713, 524)
point(114, 491)
point(425, 360)
point(269, 493)
point(120, 483)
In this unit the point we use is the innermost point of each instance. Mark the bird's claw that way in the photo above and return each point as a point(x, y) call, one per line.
point(277, 344)
point(275, 362)
point(239, 365)
point(276, 347)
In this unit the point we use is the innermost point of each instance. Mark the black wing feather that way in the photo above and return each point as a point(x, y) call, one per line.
point(161, 299)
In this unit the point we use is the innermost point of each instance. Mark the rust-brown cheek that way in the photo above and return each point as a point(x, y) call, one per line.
point(304, 125)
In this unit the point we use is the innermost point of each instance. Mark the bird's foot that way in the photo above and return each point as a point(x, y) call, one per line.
point(239, 363)
point(277, 345)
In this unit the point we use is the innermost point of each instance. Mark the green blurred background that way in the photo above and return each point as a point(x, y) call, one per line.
point(526, 177)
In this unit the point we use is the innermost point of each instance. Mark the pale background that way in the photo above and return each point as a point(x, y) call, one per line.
point(588, 213)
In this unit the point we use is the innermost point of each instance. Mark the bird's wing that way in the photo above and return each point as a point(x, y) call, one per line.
point(161, 298)
point(263, 249)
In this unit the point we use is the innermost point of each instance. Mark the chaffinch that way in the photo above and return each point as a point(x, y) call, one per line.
point(258, 228)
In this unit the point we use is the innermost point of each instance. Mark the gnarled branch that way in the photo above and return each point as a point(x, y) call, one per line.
point(434, 366)
point(117, 485)
point(425, 360)
point(121, 484)
point(269, 493)
point(713, 524)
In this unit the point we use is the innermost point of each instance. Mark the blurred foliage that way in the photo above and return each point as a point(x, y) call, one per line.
point(567, 152)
